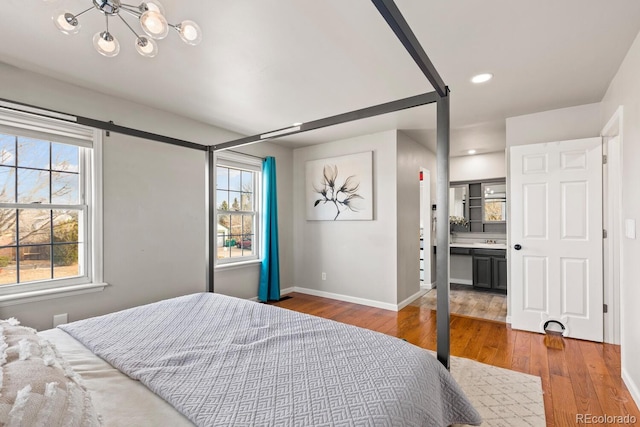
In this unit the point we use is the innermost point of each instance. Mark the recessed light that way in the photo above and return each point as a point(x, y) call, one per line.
point(471, 151)
point(297, 124)
point(481, 78)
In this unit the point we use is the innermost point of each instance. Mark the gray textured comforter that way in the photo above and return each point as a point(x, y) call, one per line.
point(224, 361)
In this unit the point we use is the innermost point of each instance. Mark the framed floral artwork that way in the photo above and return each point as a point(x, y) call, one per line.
point(340, 188)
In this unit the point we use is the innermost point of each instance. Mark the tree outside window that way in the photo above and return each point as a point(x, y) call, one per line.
point(40, 210)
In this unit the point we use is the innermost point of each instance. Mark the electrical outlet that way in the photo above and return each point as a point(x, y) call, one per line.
point(324, 276)
point(59, 319)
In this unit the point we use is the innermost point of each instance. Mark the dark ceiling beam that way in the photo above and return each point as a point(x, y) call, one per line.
point(112, 127)
point(376, 110)
point(401, 28)
point(98, 124)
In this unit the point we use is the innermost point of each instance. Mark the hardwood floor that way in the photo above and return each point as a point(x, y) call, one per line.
point(577, 376)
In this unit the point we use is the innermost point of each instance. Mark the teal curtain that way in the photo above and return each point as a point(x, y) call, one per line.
point(269, 289)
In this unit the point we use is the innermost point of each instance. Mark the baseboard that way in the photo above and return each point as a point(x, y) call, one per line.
point(412, 298)
point(634, 390)
point(346, 298)
point(508, 320)
point(282, 292)
point(461, 281)
point(426, 286)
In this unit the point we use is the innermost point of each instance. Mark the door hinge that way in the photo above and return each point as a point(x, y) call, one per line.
point(604, 159)
point(605, 308)
point(604, 234)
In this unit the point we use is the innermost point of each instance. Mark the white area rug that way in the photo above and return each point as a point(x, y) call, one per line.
point(504, 398)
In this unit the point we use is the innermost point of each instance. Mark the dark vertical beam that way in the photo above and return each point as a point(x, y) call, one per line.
point(401, 28)
point(211, 219)
point(442, 232)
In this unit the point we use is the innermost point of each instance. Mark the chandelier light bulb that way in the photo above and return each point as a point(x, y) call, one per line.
point(146, 47)
point(190, 32)
point(154, 24)
point(66, 22)
point(106, 44)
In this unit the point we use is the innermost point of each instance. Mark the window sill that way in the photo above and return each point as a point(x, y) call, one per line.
point(45, 294)
point(241, 264)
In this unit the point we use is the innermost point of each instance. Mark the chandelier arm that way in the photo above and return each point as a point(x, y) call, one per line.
point(83, 12)
point(135, 13)
point(128, 26)
point(106, 17)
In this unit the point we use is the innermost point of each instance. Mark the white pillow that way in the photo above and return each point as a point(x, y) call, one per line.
point(37, 386)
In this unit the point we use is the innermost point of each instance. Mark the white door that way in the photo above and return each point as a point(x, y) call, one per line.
point(556, 237)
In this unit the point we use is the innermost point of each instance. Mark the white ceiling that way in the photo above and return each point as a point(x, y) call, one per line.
point(265, 64)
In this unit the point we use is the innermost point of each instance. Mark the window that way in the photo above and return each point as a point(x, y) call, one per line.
point(238, 186)
point(49, 208)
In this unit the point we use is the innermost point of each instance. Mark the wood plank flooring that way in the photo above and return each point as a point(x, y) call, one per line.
point(577, 376)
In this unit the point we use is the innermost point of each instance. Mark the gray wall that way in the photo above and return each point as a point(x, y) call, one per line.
point(625, 90)
point(582, 121)
point(411, 157)
point(373, 260)
point(154, 203)
point(478, 166)
point(359, 257)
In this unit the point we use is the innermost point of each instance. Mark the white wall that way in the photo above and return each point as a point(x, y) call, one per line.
point(625, 90)
point(154, 203)
point(479, 166)
point(582, 121)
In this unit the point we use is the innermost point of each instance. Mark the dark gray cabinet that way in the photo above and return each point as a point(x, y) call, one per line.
point(499, 274)
point(482, 272)
point(490, 269)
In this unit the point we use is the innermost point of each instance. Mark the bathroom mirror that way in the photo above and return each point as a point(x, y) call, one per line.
point(494, 207)
point(458, 201)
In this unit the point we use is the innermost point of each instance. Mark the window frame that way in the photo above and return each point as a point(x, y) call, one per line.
point(252, 164)
point(89, 142)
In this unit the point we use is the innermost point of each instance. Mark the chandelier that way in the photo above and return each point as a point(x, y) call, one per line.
point(150, 14)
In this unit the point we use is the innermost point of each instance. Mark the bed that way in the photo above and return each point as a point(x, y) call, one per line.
point(208, 359)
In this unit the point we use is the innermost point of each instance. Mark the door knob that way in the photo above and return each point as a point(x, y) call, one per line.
point(517, 247)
